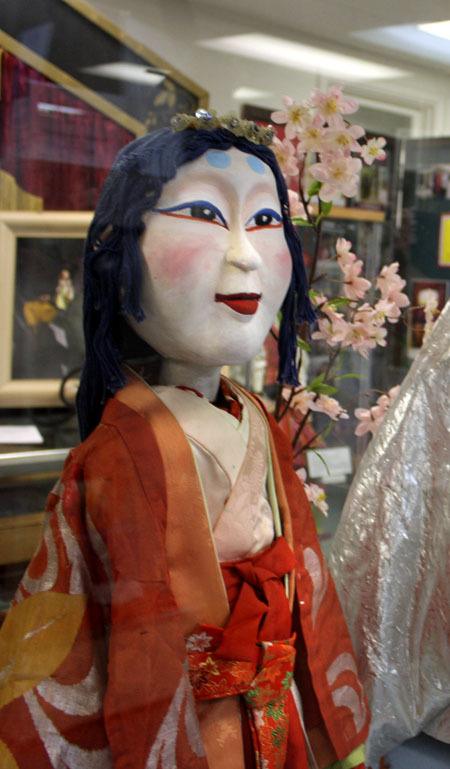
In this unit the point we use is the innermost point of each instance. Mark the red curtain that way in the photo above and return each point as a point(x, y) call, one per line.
point(54, 144)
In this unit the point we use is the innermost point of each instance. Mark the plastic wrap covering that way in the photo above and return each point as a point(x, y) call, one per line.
point(390, 557)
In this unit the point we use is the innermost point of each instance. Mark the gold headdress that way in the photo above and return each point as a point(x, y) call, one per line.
point(209, 120)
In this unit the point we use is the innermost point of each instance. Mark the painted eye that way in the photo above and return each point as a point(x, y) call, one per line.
point(201, 210)
point(267, 218)
point(198, 211)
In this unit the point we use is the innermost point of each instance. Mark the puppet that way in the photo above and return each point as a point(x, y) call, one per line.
point(179, 613)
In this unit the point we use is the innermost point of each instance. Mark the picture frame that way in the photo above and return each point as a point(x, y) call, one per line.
point(41, 262)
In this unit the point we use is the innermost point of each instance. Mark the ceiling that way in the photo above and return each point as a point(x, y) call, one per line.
point(346, 23)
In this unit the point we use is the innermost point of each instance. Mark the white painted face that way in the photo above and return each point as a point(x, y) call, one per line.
point(217, 265)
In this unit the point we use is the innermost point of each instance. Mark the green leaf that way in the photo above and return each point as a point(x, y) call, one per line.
point(301, 222)
point(316, 382)
point(314, 188)
point(325, 389)
point(325, 208)
point(303, 345)
point(339, 301)
point(312, 293)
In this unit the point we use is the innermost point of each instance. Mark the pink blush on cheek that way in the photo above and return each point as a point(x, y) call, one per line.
point(174, 263)
point(282, 263)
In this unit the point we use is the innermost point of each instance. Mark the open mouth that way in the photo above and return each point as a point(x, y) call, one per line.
point(246, 304)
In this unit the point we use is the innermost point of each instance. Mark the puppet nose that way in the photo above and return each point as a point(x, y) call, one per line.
point(242, 254)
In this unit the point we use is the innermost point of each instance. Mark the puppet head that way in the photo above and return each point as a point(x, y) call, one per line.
point(192, 244)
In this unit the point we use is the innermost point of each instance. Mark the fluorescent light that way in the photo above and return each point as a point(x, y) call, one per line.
point(243, 93)
point(437, 28)
point(299, 56)
point(120, 70)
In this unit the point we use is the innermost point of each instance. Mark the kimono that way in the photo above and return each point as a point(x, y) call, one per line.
point(178, 613)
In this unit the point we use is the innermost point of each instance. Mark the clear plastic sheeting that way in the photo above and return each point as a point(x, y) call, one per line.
point(390, 557)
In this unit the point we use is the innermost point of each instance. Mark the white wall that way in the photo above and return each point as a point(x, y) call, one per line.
point(172, 28)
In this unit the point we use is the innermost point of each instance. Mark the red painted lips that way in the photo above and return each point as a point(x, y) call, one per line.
point(246, 304)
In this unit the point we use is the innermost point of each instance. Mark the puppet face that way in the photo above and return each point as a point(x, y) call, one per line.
point(217, 265)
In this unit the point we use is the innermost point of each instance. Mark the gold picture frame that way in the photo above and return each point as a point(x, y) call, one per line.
point(16, 392)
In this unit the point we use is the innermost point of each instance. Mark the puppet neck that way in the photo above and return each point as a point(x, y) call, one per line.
point(204, 379)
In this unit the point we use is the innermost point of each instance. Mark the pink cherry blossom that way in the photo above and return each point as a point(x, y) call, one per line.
point(338, 174)
point(359, 338)
point(302, 401)
point(371, 419)
point(329, 406)
point(344, 138)
point(386, 310)
point(294, 116)
point(355, 287)
point(284, 152)
point(333, 329)
point(296, 206)
point(331, 104)
point(315, 494)
point(373, 150)
point(344, 254)
point(311, 137)
point(390, 284)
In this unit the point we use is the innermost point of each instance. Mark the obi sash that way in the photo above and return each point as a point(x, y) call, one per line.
point(253, 656)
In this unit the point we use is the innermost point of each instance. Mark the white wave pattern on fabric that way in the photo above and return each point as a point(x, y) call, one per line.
point(343, 662)
point(347, 697)
point(99, 546)
point(163, 752)
point(82, 699)
point(61, 753)
point(319, 579)
point(80, 579)
point(47, 580)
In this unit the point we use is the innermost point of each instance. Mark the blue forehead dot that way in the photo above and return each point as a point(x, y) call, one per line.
point(256, 164)
point(218, 159)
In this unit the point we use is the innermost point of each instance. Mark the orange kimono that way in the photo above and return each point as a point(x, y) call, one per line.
point(130, 646)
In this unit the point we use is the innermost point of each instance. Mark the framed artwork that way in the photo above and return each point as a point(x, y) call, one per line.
point(444, 241)
point(40, 305)
point(422, 290)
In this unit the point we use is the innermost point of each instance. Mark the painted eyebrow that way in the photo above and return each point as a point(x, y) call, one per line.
point(189, 204)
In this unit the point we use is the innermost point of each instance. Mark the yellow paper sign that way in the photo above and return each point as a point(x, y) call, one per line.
point(444, 241)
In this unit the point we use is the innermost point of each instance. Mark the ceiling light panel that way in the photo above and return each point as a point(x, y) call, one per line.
point(307, 58)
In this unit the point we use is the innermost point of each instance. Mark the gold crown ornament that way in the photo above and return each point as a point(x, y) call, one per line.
point(209, 120)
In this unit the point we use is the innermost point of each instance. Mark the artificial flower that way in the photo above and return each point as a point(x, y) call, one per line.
point(355, 287)
point(296, 206)
point(329, 406)
point(331, 104)
point(302, 401)
point(294, 116)
point(333, 329)
point(373, 150)
point(343, 138)
point(371, 419)
point(390, 284)
point(311, 137)
point(338, 174)
point(284, 152)
point(315, 494)
point(344, 254)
